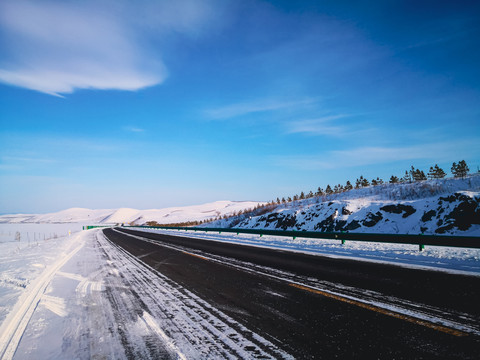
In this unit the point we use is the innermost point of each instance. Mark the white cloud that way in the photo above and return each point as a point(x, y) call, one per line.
point(373, 155)
point(133, 129)
point(319, 126)
point(57, 47)
point(240, 109)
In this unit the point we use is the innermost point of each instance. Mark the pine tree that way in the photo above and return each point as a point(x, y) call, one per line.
point(302, 195)
point(436, 172)
point(365, 182)
point(310, 195)
point(412, 173)
point(289, 199)
point(358, 182)
point(417, 174)
point(394, 179)
point(283, 200)
point(461, 170)
point(320, 192)
point(348, 186)
point(439, 173)
point(374, 182)
point(328, 190)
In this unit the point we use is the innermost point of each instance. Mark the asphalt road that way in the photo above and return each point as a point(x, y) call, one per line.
point(320, 307)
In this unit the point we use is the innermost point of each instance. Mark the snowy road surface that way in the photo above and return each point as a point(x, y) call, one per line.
point(323, 307)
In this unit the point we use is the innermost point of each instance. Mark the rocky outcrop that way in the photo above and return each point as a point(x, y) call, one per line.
point(451, 214)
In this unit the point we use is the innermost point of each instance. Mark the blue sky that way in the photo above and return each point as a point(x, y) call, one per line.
point(149, 104)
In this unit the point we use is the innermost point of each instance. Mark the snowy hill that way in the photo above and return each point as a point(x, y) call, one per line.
point(446, 206)
point(126, 215)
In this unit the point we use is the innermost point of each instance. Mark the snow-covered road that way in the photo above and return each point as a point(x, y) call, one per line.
point(90, 299)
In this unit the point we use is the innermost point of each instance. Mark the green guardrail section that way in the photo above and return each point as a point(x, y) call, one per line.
point(420, 240)
point(88, 227)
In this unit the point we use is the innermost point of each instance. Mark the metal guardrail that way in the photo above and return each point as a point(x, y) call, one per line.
point(88, 227)
point(420, 240)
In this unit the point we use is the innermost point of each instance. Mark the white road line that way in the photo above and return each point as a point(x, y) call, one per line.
point(17, 320)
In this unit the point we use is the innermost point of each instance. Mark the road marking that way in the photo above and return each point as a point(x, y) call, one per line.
point(382, 311)
point(197, 256)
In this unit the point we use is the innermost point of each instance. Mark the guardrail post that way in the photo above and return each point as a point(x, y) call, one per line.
point(421, 247)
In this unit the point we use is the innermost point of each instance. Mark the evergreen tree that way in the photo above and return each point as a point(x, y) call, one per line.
point(358, 182)
point(365, 182)
point(436, 172)
point(406, 177)
point(374, 182)
point(417, 174)
point(394, 179)
point(283, 200)
point(328, 190)
point(348, 186)
point(302, 195)
point(461, 170)
point(422, 176)
point(439, 173)
point(320, 192)
point(278, 201)
point(289, 199)
point(295, 197)
point(310, 195)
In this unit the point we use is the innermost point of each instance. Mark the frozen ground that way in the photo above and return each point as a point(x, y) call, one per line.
point(80, 297)
point(456, 260)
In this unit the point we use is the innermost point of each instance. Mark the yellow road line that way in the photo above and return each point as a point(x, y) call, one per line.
point(197, 256)
point(383, 311)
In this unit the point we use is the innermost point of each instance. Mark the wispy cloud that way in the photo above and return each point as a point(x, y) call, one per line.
point(319, 126)
point(133, 129)
point(374, 155)
point(245, 108)
point(58, 47)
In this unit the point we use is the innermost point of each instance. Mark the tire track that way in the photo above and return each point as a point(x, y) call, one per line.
point(17, 320)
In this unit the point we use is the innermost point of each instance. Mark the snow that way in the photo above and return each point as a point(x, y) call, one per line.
point(79, 296)
point(447, 206)
point(127, 215)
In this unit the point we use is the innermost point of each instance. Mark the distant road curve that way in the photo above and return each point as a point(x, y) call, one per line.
point(314, 306)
